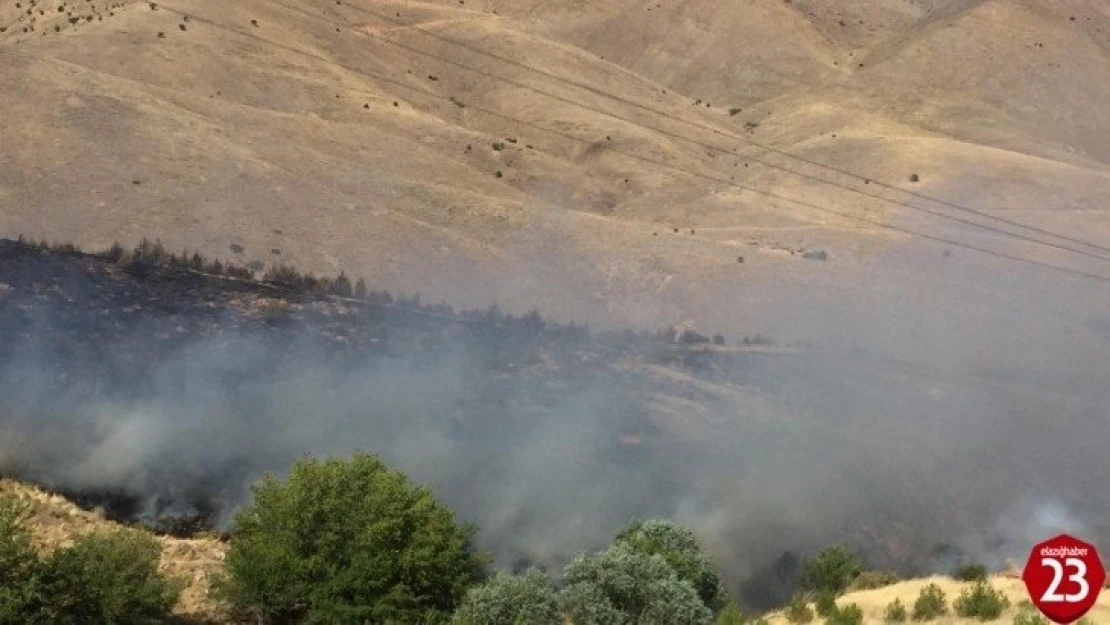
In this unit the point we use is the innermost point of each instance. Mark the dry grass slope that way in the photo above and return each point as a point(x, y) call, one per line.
point(360, 135)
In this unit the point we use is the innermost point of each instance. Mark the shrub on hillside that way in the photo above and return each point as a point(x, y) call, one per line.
point(107, 578)
point(826, 603)
point(18, 563)
point(970, 573)
point(101, 578)
point(798, 611)
point(895, 612)
point(679, 547)
point(833, 569)
point(348, 541)
point(511, 600)
point(624, 585)
point(981, 602)
point(930, 604)
point(850, 614)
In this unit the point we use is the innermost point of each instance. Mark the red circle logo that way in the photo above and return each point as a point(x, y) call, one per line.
point(1064, 576)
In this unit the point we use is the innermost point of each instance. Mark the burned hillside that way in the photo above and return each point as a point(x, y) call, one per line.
point(165, 391)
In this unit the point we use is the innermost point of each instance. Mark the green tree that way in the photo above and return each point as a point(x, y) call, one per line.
point(930, 604)
point(526, 599)
point(344, 541)
point(850, 614)
point(109, 578)
point(18, 563)
point(622, 585)
point(679, 547)
point(981, 601)
point(833, 570)
point(895, 612)
point(826, 603)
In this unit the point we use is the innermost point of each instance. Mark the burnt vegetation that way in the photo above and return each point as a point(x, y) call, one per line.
point(117, 314)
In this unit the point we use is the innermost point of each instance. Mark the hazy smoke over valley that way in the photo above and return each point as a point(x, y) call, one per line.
point(550, 445)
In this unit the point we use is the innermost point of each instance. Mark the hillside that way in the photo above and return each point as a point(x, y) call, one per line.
point(909, 197)
point(360, 136)
point(162, 392)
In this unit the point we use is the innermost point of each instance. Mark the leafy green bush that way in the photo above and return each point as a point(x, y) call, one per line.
point(850, 614)
point(623, 585)
point(833, 569)
point(511, 599)
point(930, 604)
point(825, 604)
point(348, 541)
point(798, 611)
point(18, 563)
point(970, 573)
point(895, 612)
point(102, 578)
point(107, 578)
point(678, 546)
point(981, 602)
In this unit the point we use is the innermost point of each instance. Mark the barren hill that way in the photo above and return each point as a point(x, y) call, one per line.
point(370, 136)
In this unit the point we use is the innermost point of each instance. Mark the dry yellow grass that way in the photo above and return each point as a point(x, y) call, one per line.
point(874, 602)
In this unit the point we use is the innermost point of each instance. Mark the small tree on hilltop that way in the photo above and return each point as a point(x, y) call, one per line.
point(833, 570)
point(348, 541)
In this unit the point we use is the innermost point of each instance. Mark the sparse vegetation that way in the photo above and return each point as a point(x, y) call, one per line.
point(833, 570)
point(895, 612)
point(970, 573)
point(981, 602)
point(798, 611)
point(850, 614)
point(930, 604)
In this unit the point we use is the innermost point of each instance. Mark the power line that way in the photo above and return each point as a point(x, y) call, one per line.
point(718, 131)
point(588, 143)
